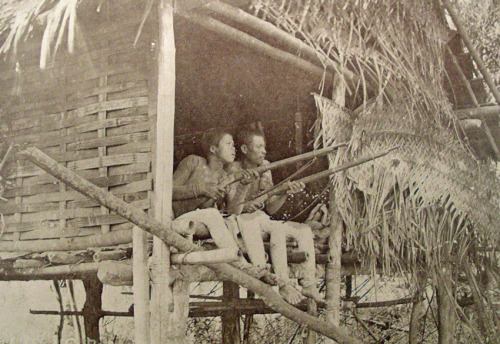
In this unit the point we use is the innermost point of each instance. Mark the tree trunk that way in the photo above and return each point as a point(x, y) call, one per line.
point(230, 319)
point(92, 309)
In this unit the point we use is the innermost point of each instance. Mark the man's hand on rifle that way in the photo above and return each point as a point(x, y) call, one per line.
point(256, 204)
point(249, 176)
point(294, 187)
point(212, 190)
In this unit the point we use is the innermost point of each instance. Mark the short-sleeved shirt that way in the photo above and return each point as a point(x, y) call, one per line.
point(191, 170)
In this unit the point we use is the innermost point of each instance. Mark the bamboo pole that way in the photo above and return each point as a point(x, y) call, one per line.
point(68, 244)
point(50, 272)
point(222, 255)
point(165, 327)
point(165, 233)
point(5, 157)
point(141, 286)
point(334, 265)
point(485, 126)
point(292, 43)
point(254, 43)
point(475, 55)
point(492, 111)
point(116, 273)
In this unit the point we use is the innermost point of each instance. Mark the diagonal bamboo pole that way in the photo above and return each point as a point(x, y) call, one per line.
point(245, 39)
point(162, 231)
point(294, 44)
point(472, 95)
point(475, 55)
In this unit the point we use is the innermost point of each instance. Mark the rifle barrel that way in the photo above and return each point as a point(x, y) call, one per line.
point(326, 173)
point(277, 164)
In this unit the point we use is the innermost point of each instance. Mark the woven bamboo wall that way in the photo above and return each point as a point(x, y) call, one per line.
point(89, 111)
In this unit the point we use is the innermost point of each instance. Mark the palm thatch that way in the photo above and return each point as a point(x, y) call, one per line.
point(18, 18)
point(431, 204)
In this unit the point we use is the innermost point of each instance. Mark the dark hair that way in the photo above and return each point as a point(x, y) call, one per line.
point(211, 137)
point(246, 135)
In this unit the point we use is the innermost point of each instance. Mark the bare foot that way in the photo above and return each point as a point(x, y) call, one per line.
point(290, 294)
point(313, 293)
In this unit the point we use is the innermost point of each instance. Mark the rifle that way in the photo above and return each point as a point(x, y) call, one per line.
point(314, 177)
point(205, 202)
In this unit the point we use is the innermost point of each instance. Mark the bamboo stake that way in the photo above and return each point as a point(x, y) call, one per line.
point(141, 286)
point(480, 64)
point(164, 232)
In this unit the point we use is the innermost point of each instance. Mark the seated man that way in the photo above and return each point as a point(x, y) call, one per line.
point(196, 193)
point(254, 223)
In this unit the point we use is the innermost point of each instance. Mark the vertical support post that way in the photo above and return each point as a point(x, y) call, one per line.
point(312, 308)
point(446, 311)
point(248, 320)
point(333, 267)
point(230, 319)
point(141, 286)
point(165, 327)
point(92, 309)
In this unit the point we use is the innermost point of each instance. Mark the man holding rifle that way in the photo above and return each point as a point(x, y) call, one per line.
point(254, 223)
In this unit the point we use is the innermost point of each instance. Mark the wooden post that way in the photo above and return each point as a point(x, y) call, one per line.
point(333, 267)
point(446, 311)
point(230, 319)
point(164, 324)
point(92, 309)
point(141, 287)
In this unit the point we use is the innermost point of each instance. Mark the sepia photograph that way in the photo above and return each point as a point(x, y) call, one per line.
point(249, 171)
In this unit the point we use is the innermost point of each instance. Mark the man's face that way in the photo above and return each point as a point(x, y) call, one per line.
point(225, 149)
point(255, 152)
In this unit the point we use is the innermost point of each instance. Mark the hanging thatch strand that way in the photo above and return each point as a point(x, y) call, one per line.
point(18, 19)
